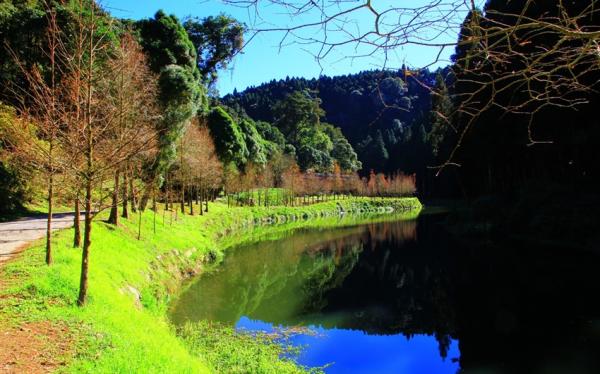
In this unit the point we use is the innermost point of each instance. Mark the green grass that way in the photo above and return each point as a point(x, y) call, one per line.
point(117, 332)
point(230, 351)
point(275, 196)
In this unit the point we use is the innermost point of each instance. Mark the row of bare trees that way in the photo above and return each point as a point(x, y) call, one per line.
point(89, 118)
point(292, 187)
point(197, 174)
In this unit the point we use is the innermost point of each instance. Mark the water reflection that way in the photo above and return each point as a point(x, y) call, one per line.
point(401, 297)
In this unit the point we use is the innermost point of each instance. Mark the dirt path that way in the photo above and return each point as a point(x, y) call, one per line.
point(16, 235)
point(35, 347)
point(31, 347)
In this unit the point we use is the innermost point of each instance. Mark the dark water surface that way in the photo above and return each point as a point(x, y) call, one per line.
point(406, 297)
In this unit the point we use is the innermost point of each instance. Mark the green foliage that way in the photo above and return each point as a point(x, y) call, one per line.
point(341, 150)
point(166, 42)
point(173, 56)
point(13, 190)
point(229, 139)
point(217, 40)
point(375, 149)
point(312, 158)
point(316, 145)
point(361, 105)
point(271, 134)
point(242, 141)
point(15, 18)
point(274, 196)
point(392, 91)
point(297, 110)
point(23, 34)
point(257, 146)
point(441, 116)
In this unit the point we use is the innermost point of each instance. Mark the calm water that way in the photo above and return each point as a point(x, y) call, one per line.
point(404, 297)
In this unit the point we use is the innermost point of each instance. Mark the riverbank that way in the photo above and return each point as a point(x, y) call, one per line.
point(124, 327)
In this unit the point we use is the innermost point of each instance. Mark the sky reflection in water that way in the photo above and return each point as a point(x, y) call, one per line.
point(353, 351)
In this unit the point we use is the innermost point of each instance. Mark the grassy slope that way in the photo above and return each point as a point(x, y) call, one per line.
point(116, 331)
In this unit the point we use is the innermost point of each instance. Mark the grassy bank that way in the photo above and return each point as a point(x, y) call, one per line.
point(124, 329)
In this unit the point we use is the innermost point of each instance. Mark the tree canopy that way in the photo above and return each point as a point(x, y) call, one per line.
point(217, 40)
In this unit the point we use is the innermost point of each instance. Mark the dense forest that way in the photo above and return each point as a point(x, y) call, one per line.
point(386, 115)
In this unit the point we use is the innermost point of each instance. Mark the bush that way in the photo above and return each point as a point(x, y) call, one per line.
point(13, 190)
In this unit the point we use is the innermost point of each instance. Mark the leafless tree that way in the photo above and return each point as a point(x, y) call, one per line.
point(131, 93)
point(35, 137)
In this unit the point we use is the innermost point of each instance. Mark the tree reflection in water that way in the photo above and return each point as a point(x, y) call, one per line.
point(513, 308)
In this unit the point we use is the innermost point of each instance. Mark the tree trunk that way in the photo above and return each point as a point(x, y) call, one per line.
point(200, 199)
point(87, 233)
point(125, 213)
point(167, 193)
point(182, 198)
point(87, 242)
point(154, 208)
point(139, 224)
point(49, 220)
point(132, 195)
point(143, 201)
point(76, 224)
point(113, 218)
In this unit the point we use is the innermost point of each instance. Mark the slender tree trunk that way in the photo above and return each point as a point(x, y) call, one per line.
point(191, 202)
point(113, 218)
point(200, 199)
point(76, 223)
point(139, 224)
point(49, 220)
point(167, 192)
point(87, 233)
point(132, 193)
point(154, 208)
point(182, 198)
point(125, 213)
point(87, 242)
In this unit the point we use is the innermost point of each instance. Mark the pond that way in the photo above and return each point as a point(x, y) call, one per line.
point(404, 296)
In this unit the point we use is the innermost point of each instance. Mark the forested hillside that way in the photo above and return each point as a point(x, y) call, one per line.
point(386, 115)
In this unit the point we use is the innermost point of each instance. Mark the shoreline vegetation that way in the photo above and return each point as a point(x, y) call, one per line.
point(124, 327)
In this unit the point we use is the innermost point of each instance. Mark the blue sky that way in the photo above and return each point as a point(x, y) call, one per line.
point(263, 60)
